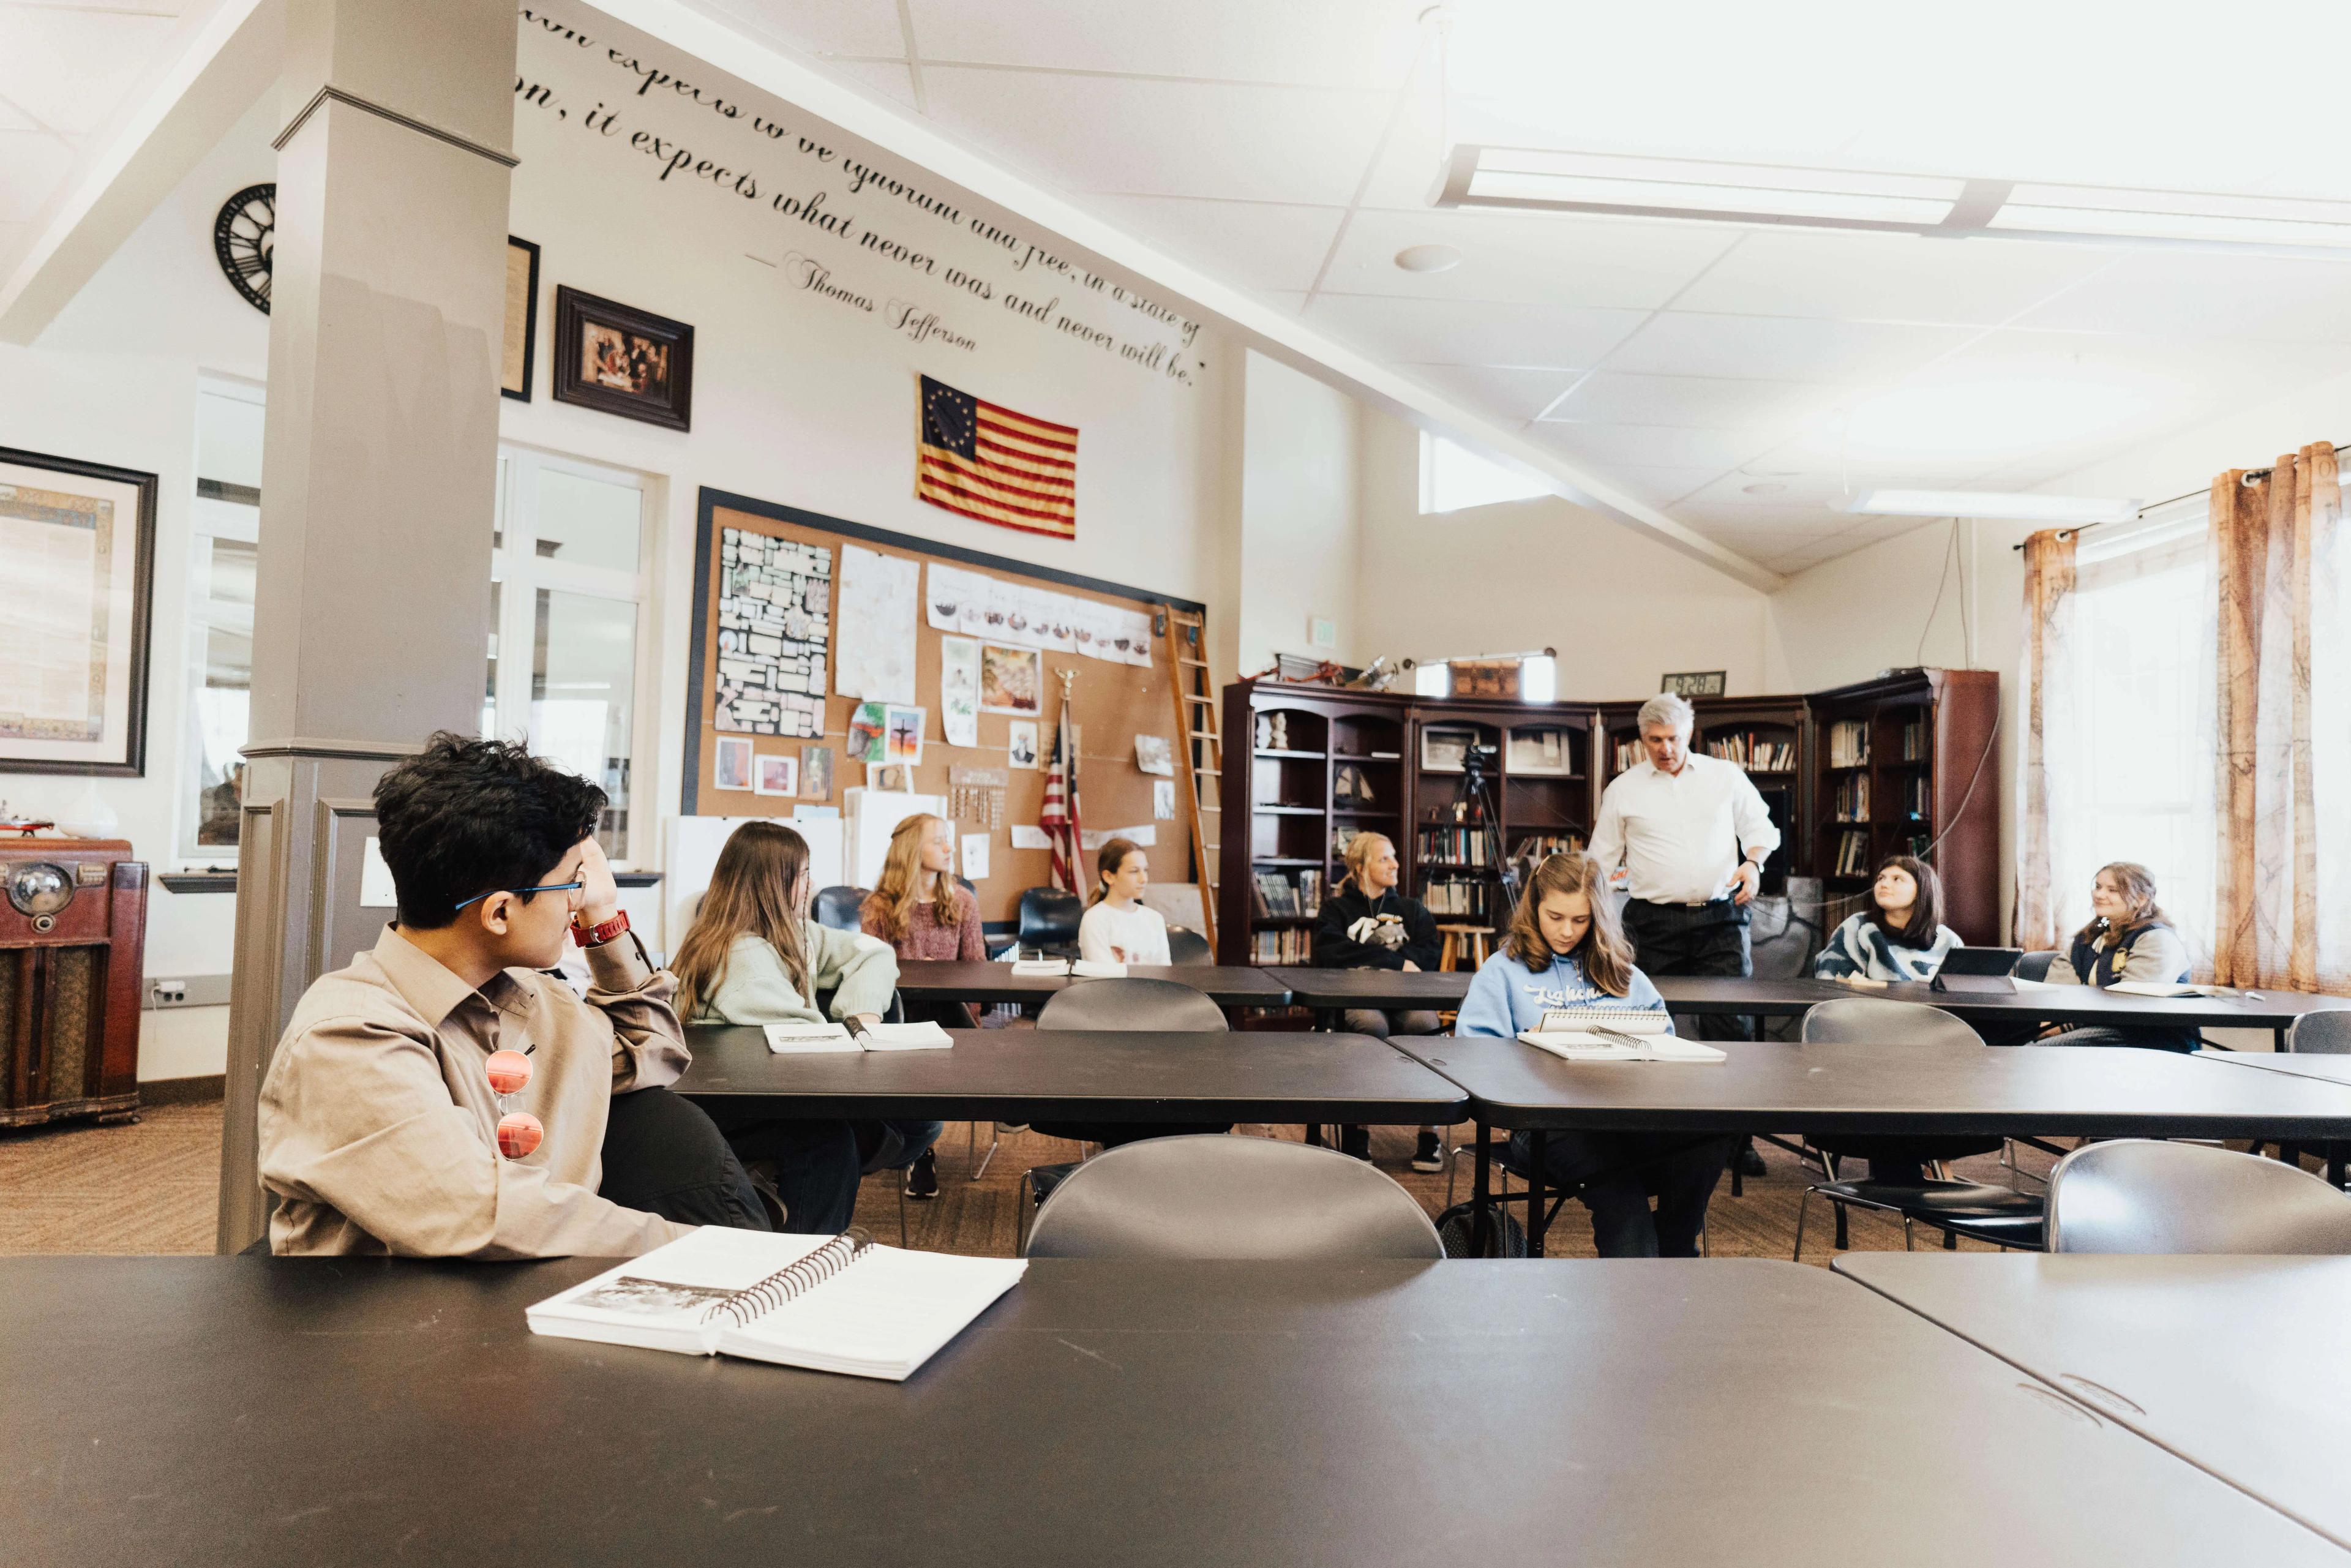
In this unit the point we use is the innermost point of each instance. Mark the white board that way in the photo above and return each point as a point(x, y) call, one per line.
point(872, 815)
point(693, 846)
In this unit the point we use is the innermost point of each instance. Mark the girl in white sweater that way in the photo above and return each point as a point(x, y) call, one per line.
point(1117, 928)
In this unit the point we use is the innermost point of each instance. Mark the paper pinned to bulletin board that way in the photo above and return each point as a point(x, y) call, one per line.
point(975, 857)
point(1114, 697)
point(873, 657)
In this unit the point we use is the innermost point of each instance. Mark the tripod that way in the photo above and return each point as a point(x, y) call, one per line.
point(1474, 806)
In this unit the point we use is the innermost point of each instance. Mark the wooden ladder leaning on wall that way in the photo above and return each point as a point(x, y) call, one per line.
point(1200, 760)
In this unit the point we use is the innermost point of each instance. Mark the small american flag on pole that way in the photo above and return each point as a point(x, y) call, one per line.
point(1059, 816)
point(985, 462)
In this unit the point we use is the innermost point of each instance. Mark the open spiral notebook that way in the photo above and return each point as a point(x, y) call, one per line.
point(831, 1303)
point(1613, 1034)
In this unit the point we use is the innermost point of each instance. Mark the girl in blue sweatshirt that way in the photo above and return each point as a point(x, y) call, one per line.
point(1566, 949)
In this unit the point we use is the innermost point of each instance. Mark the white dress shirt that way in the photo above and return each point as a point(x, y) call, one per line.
point(1680, 836)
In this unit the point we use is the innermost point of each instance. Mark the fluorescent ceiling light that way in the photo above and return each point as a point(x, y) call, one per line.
point(2016, 505)
point(1525, 175)
point(1713, 191)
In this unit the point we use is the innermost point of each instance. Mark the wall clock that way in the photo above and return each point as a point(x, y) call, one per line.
point(245, 239)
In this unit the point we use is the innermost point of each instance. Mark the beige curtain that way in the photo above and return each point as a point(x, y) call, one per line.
point(2050, 681)
point(2281, 675)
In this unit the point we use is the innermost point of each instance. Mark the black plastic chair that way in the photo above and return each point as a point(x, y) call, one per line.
point(1214, 1197)
point(841, 908)
point(2034, 965)
point(1185, 946)
point(1049, 921)
point(1996, 1214)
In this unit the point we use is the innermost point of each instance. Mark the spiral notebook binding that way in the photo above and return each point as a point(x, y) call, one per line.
point(790, 1283)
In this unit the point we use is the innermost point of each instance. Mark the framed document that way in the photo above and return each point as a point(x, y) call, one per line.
point(622, 359)
point(522, 320)
point(76, 574)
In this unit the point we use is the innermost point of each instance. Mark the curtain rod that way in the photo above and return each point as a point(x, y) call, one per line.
point(2251, 475)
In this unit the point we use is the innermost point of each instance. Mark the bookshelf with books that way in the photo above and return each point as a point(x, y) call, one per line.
point(1909, 764)
point(1895, 757)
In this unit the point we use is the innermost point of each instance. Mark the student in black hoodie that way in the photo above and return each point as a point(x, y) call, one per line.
point(1365, 923)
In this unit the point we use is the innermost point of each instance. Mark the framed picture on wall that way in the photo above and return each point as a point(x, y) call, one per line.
point(777, 775)
point(622, 360)
point(77, 576)
point(522, 320)
point(734, 768)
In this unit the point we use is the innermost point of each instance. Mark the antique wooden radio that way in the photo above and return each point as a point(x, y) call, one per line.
point(73, 933)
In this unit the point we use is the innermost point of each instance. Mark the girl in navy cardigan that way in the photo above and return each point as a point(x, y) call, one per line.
point(1566, 949)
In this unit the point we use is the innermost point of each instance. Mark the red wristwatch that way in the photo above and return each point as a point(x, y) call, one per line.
point(597, 936)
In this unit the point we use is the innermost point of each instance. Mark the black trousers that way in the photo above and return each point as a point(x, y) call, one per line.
point(816, 1164)
point(663, 1156)
point(1621, 1172)
point(1712, 939)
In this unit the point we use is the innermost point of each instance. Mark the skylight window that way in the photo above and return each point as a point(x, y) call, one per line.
point(1452, 477)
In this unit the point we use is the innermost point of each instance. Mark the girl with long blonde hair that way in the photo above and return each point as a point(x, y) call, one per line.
point(917, 906)
point(754, 956)
point(2128, 938)
point(1367, 923)
point(1566, 951)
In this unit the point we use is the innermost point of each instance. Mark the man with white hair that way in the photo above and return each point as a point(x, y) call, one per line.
point(1691, 836)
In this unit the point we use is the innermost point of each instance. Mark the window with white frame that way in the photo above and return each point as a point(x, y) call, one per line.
point(223, 553)
point(567, 636)
point(2142, 700)
point(1452, 477)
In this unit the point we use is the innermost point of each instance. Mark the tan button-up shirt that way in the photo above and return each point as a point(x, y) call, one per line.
point(378, 1129)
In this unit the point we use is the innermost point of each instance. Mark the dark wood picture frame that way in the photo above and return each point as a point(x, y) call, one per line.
point(520, 360)
point(134, 761)
point(575, 313)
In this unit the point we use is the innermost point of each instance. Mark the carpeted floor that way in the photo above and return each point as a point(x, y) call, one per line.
point(154, 1187)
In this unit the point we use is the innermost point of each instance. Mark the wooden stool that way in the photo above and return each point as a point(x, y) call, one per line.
point(1479, 946)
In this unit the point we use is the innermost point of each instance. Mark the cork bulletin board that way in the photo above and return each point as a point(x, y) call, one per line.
point(1112, 703)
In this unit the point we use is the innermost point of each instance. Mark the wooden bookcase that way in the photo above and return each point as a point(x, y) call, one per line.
point(1353, 761)
point(1906, 764)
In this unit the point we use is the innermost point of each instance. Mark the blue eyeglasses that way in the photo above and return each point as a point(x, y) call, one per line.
point(550, 887)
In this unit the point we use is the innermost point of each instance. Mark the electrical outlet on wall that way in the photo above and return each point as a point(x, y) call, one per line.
point(1321, 631)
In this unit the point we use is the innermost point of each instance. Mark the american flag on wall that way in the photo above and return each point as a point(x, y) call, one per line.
point(985, 462)
point(1059, 816)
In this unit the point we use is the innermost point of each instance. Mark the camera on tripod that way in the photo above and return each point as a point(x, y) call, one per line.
point(1475, 761)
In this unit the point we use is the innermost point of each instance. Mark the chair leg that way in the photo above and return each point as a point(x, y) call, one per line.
point(1020, 1195)
point(1843, 1239)
point(972, 1144)
point(1950, 1241)
point(1909, 1235)
point(900, 1185)
point(1803, 1204)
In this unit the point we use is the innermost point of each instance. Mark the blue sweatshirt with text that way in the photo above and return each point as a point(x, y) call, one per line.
point(1506, 997)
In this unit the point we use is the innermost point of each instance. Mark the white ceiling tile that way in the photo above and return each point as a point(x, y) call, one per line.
point(1887, 277)
point(1336, 43)
point(1804, 490)
point(1650, 446)
point(1527, 258)
point(893, 80)
point(1461, 332)
point(1256, 245)
point(1787, 347)
point(2176, 292)
point(817, 26)
point(68, 69)
point(1659, 486)
point(1795, 524)
point(32, 167)
point(1165, 139)
point(1506, 392)
point(1703, 402)
point(11, 119)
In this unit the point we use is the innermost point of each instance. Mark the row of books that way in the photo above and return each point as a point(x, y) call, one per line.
point(1628, 754)
point(1452, 846)
point(1277, 897)
point(1533, 849)
point(1849, 743)
point(1282, 944)
point(1852, 854)
point(1453, 899)
point(1754, 753)
point(1851, 802)
point(1913, 740)
point(1915, 797)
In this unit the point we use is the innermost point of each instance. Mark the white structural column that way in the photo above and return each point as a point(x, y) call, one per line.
point(372, 611)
